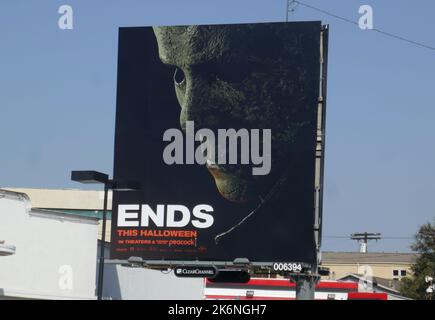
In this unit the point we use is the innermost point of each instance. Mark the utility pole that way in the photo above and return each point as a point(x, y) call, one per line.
point(364, 238)
point(290, 7)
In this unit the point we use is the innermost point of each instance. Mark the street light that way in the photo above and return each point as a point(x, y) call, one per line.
point(93, 177)
point(6, 250)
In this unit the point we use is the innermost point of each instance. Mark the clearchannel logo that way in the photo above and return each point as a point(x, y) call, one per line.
point(195, 272)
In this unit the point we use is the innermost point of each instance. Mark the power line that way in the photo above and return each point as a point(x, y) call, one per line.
point(337, 237)
point(398, 238)
point(385, 33)
point(385, 238)
point(327, 13)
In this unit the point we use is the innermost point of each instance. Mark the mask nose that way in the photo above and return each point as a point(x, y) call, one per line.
point(196, 102)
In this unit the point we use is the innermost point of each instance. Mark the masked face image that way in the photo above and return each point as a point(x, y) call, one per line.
point(220, 125)
point(242, 77)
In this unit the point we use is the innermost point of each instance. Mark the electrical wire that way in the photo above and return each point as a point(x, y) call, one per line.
point(385, 33)
point(383, 238)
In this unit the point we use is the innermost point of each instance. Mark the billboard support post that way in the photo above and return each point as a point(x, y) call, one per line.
point(305, 288)
point(305, 285)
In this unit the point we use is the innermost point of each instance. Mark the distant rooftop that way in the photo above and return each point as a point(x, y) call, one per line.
point(375, 257)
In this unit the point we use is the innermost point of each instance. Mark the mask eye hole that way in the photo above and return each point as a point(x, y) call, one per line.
point(179, 77)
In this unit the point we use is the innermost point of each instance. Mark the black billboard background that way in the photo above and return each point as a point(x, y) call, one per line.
point(147, 107)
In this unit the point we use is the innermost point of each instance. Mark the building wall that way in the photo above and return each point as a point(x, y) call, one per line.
point(55, 255)
point(381, 270)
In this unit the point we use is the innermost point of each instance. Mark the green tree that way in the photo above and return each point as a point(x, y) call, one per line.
point(415, 286)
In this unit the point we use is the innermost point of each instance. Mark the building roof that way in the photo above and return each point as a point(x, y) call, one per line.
point(391, 287)
point(375, 257)
point(72, 199)
point(48, 213)
point(388, 283)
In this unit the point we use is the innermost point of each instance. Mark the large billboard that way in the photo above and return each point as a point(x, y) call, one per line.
point(218, 123)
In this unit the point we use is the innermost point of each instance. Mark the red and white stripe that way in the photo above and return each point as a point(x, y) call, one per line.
point(282, 289)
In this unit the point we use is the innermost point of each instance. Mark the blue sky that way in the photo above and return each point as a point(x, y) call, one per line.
point(58, 90)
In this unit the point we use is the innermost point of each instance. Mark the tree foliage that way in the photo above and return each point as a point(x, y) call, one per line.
point(415, 286)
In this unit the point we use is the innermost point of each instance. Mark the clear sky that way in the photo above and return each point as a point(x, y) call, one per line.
point(58, 90)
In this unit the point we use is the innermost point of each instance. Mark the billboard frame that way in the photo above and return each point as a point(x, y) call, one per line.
point(321, 140)
point(311, 269)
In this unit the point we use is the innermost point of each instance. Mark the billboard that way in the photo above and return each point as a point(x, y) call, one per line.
point(218, 123)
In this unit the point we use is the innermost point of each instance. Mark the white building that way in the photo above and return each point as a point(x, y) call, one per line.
point(55, 253)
